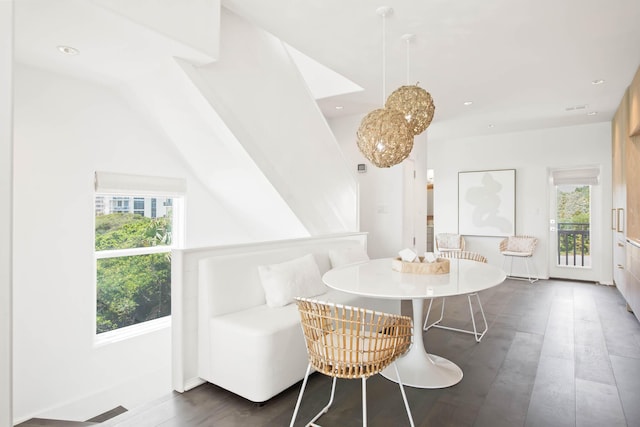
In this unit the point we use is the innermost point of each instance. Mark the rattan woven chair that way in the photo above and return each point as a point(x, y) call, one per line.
point(437, 324)
point(449, 242)
point(350, 342)
point(520, 247)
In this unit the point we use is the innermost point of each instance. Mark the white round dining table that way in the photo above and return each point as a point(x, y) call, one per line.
point(376, 278)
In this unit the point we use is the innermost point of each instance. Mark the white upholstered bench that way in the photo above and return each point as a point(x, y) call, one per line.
point(246, 346)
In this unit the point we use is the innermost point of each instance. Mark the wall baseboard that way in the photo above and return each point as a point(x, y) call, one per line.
point(193, 383)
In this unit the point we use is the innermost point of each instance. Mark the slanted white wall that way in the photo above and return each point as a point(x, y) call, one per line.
point(65, 129)
point(168, 18)
point(259, 93)
point(174, 104)
point(532, 154)
point(6, 208)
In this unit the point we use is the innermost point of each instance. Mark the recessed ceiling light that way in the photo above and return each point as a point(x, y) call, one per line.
point(339, 107)
point(467, 103)
point(592, 113)
point(491, 125)
point(68, 50)
point(597, 82)
point(576, 107)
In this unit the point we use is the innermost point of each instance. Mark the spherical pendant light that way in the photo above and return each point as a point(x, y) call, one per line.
point(384, 137)
point(415, 104)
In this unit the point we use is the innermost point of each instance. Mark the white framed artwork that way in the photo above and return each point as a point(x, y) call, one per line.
point(487, 203)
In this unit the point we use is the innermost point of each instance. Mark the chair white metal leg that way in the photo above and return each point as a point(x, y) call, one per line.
point(532, 279)
point(404, 395)
point(323, 410)
point(426, 327)
point(364, 402)
point(504, 261)
point(333, 390)
point(477, 335)
point(529, 278)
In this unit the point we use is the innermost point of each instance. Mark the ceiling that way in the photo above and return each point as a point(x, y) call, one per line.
point(524, 64)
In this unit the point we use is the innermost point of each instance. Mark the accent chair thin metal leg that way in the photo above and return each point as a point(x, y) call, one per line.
point(530, 278)
point(323, 410)
point(504, 261)
point(436, 324)
point(304, 385)
point(478, 336)
point(404, 398)
point(426, 325)
point(364, 402)
point(404, 395)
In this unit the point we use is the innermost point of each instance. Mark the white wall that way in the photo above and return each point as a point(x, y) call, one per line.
point(419, 155)
point(6, 208)
point(531, 153)
point(381, 193)
point(65, 129)
point(259, 93)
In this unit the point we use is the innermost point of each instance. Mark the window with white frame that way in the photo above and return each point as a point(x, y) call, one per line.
point(136, 226)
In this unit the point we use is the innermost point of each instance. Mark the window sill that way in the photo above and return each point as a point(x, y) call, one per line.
point(132, 331)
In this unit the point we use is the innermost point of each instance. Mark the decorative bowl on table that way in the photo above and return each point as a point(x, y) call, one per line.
point(439, 266)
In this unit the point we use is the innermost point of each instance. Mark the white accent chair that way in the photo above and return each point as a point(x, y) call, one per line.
point(449, 242)
point(437, 324)
point(350, 342)
point(521, 247)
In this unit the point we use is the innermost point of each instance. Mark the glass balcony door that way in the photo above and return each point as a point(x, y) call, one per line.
point(573, 241)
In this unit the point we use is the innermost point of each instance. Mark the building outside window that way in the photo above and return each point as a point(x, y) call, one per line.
point(133, 259)
point(153, 208)
point(138, 205)
point(119, 204)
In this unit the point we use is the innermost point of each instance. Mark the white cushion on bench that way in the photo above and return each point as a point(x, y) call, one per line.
point(299, 277)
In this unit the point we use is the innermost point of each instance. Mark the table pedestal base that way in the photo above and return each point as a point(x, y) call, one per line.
point(421, 370)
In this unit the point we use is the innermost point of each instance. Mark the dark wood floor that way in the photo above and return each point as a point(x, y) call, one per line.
point(557, 354)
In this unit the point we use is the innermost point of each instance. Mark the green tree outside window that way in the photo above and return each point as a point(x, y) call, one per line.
point(135, 288)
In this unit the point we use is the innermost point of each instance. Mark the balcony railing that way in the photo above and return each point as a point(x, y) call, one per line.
point(573, 244)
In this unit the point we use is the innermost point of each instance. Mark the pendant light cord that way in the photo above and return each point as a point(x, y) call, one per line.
point(408, 62)
point(384, 11)
point(384, 56)
point(408, 38)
